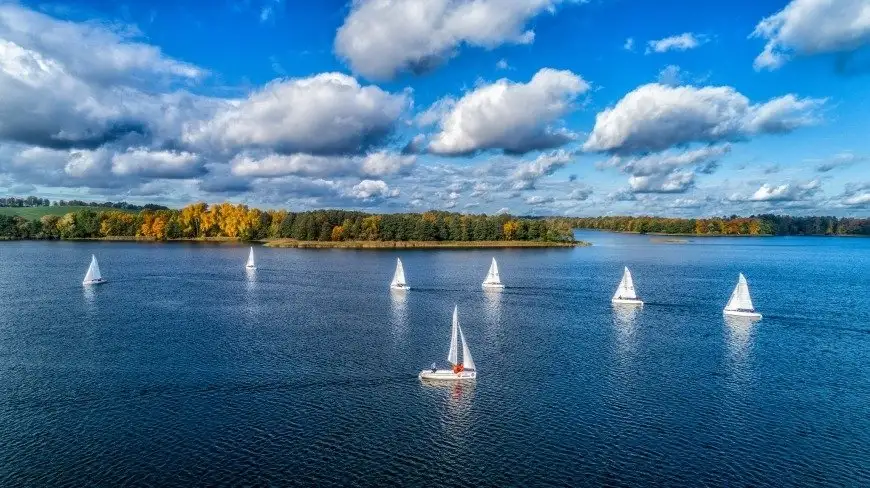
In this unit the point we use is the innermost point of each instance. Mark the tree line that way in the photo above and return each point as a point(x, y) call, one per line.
point(32, 201)
point(766, 224)
point(227, 220)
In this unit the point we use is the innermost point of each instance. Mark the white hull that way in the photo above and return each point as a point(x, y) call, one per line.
point(626, 301)
point(400, 287)
point(493, 285)
point(738, 313)
point(447, 375)
point(93, 282)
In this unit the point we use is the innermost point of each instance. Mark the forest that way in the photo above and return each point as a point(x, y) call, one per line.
point(755, 225)
point(236, 221)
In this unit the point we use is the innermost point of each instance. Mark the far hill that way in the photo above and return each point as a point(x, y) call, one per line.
point(35, 213)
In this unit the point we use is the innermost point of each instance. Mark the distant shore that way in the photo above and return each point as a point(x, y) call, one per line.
point(290, 243)
point(296, 244)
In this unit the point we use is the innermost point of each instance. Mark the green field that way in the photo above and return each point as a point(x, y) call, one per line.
point(31, 213)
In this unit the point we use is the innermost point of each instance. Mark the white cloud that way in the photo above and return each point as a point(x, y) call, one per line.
point(372, 189)
point(860, 199)
point(158, 164)
point(380, 38)
point(629, 44)
point(655, 117)
point(809, 27)
point(674, 182)
point(513, 117)
point(300, 164)
point(703, 159)
point(539, 200)
point(329, 113)
point(786, 192)
point(682, 42)
point(502, 64)
point(527, 174)
point(90, 51)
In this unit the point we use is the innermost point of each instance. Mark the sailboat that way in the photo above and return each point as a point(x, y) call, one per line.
point(493, 280)
point(93, 276)
point(625, 293)
point(464, 370)
point(250, 264)
point(399, 282)
point(740, 303)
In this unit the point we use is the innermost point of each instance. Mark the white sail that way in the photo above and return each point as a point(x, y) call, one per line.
point(399, 276)
point(467, 361)
point(453, 354)
point(740, 299)
point(492, 277)
point(93, 273)
point(250, 263)
point(625, 290)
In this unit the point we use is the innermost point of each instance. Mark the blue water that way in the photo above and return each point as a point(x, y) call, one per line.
point(184, 370)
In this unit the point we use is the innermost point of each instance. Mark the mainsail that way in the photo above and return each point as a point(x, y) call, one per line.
point(250, 263)
point(399, 275)
point(492, 277)
point(625, 290)
point(740, 299)
point(93, 273)
point(453, 354)
point(467, 361)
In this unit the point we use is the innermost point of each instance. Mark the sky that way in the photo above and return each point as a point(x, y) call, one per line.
point(532, 107)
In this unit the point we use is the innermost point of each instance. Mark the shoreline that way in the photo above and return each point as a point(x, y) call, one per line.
point(295, 244)
point(663, 234)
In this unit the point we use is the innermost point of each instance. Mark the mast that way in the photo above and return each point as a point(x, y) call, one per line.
point(453, 354)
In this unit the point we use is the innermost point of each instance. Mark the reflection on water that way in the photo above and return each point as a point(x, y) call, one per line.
point(625, 323)
point(456, 413)
point(739, 331)
point(90, 295)
point(399, 308)
point(492, 307)
point(252, 303)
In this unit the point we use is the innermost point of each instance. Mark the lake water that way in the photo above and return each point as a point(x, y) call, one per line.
point(184, 370)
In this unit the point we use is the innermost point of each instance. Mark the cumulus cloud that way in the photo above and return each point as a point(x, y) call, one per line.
point(786, 192)
point(325, 114)
point(372, 189)
point(381, 38)
point(682, 42)
point(655, 117)
point(810, 27)
point(539, 200)
point(158, 164)
point(276, 165)
point(669, 171)
point(856, 195)
point(527, 174)
point(674, 182)
point(93, 52)
point(629, 44)
point(509, 116)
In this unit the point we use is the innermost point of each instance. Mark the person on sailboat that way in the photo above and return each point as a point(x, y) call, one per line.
point(434, 368)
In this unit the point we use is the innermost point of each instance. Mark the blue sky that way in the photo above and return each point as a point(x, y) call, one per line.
point(562, 107)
